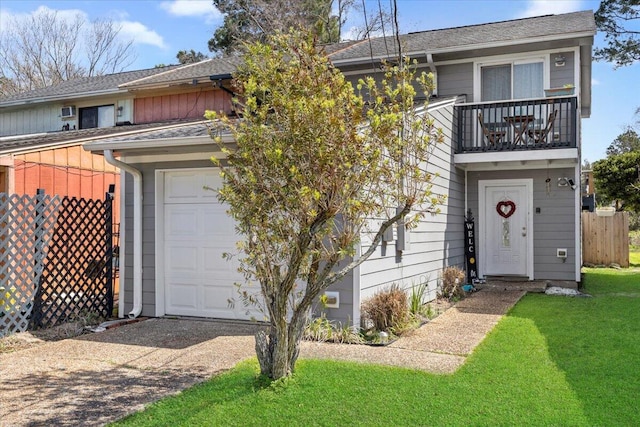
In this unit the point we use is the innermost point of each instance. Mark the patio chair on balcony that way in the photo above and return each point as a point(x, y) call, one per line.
point(539, 136)
point(493, 136)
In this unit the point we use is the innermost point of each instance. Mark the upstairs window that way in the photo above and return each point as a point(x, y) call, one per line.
point(517, 80)
point(97, 117)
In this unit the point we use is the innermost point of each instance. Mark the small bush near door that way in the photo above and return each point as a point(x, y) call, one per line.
point(452, 281)
point(387, 310)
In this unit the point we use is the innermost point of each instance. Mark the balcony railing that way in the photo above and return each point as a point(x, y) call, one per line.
point(517, 125)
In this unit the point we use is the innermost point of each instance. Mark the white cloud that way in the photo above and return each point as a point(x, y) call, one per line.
point(595, 82)
point(551, 7)
point(7, 16)
point(192, 8)
point(141, 34)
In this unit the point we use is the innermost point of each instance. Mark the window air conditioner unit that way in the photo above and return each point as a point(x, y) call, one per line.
point(69, 111)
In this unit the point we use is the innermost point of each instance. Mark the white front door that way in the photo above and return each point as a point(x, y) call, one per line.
point(506, 228)
point(197, 232)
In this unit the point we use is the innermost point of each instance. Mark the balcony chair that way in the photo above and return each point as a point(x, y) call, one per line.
point(539, 136)
point(493, 136)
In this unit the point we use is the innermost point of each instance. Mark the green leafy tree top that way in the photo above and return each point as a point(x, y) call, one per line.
point(618, 180)
point(626, 142)
point(314, 167)
point(619, 20)
point(190, 56)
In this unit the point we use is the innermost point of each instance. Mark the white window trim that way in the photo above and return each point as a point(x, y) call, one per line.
point(512, 60)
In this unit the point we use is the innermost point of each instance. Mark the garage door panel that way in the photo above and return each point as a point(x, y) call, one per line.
point(217, 296)
point(182, 258)
point(191, 186)
point(181, 222)
point(183, 296)
point(226, 268)
point(197, 232)
point(216, 222)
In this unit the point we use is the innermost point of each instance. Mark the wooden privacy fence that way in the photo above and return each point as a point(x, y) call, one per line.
point(605, 239)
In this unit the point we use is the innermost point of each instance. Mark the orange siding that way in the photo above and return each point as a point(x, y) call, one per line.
point(180, 106)
point(62, 181)
point(69, 181)
point(68, 171)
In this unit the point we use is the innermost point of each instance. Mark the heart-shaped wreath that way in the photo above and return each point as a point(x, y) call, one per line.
point(506, 209)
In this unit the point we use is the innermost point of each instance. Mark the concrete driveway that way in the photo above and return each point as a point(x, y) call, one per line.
point(98, 378)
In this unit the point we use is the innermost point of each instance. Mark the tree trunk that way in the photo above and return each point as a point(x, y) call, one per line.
point(275, 355)
point(278, 351)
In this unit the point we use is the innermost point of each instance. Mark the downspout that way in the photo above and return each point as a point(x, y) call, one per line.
point(137, 230)
point(432, 67)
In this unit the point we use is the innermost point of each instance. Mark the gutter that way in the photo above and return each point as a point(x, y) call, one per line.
point(468, 47)
point(137, 230)
point(27, 102)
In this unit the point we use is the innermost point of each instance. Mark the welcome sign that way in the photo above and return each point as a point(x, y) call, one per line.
point(470, 247)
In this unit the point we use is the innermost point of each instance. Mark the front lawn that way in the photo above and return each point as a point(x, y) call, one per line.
point(552, 361)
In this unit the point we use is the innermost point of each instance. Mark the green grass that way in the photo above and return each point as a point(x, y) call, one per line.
point(634, 256)
point(634, 259)
point(552, 361)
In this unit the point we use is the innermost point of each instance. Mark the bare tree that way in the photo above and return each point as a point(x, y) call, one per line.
point(47, 48)
point(377, 21)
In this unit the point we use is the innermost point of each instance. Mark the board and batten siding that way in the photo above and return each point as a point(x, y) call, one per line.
point(181, 106)
point(438, 241)
point(48, 117)
point(32, 120)
point(456, 79)
point(553, 226)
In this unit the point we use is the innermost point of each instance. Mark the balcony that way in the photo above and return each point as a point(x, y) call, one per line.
point(533, 124)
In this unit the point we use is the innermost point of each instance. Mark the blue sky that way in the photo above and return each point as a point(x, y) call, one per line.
point(162, 28)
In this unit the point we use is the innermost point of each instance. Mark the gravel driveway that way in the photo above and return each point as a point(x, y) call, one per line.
point(98, 378)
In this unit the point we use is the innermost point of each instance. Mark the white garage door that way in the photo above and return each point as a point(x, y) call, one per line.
point(197, 231)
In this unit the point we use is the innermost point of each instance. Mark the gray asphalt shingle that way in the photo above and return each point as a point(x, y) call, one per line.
point(16, 144)
point(462, 38)
point(202, 69)
point(83, 85)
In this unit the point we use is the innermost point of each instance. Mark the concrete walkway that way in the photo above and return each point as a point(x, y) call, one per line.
point(98, 378)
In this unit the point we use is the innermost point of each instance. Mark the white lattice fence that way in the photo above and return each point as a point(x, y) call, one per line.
point(26, 226)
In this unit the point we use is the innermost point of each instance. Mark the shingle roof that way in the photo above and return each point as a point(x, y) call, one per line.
point(23, 143)
point(185, 130)
point(199, 70)
point(83, 85)
point(472, 36)
point(459, 38)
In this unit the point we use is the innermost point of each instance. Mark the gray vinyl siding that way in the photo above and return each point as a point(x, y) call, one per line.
point(553, 227)
point(456, 79)
point(437, 242)
point(560, 76)
point(148, 232)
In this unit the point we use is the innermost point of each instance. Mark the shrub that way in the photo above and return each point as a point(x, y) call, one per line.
point(417, 298)
point(324, 330)
point(452, 281)
point(386, 310)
